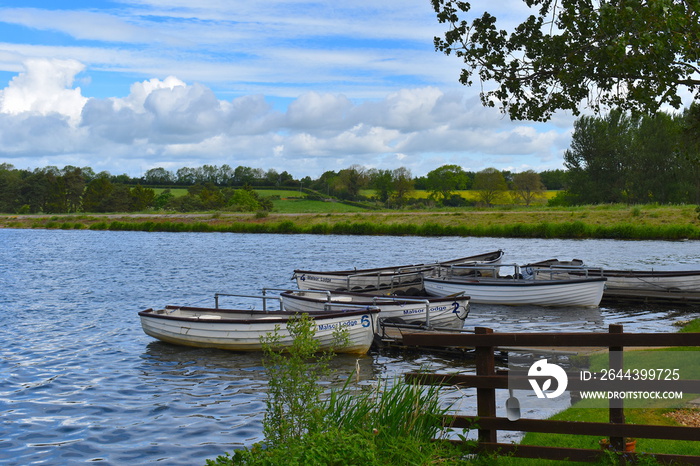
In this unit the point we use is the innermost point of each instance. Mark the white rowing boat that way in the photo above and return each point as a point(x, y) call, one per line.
point(439, 312)
point(648, 280)
point(651, 281)
point(240, 330)
point(398, 277)
point(519, 291)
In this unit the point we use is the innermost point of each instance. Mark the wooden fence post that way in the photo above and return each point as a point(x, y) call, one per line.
point(486, 397)
point(616, 406)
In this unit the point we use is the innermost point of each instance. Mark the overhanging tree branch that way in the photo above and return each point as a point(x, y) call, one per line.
point(636, 54)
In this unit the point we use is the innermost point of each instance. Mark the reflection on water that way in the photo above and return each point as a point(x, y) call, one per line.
point(536, 318)
point(80, 381)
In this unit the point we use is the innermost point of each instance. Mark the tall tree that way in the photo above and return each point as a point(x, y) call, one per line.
point(403, 184)
point(142, 198)
point(225, 175)
point(118, 200)
point(208, 174)
point(350, 181)
point(243, 176)
point(56, 199)
point(97, 192)
point(34, 190)
point(186, 176)
point(598, 158)
point(325, 183)
point(383, 184)
point(554, 179)
point(632, 54)
point(158, 176)
point(10, 182)
point(655, 171)
point(490, 185)
point(528, 186)
point(445, 180)
point(690, 151)
point(74, 180)
point(272, 178)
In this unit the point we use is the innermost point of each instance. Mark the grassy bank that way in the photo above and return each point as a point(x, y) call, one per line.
point(612, 222)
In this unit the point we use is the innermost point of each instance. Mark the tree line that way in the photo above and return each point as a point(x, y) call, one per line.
point(616, 158)
point(73, 189)
point(635, 159)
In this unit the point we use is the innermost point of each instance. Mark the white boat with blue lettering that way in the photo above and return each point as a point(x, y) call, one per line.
point(240, 330)
point(401, 278)
point(434, 312)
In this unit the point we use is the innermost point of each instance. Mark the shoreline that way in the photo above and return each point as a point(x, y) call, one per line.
point(679, 223)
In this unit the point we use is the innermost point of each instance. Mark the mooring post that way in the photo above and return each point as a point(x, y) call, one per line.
point(616, 405)
point(485, 397)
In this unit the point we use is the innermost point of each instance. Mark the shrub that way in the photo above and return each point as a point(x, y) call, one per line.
point(286, 227)
point(562, 199)
point(293, 397)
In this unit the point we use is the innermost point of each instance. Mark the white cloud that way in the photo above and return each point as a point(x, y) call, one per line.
point(45, 88)
point(170, 123)
point(319, 111)
point(139, 92)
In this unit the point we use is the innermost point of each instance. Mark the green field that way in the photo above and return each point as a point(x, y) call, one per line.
point(303, 206)
point(469, 195)
point(292, 201)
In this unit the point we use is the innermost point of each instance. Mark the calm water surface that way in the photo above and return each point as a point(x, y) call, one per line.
point(80, 381)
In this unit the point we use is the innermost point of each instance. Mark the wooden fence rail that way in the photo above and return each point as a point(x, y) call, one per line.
point(487, 380)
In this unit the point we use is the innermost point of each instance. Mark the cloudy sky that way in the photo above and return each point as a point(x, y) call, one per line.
point(302, 86)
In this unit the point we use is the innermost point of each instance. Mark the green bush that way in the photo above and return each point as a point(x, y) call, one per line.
point(286, 227)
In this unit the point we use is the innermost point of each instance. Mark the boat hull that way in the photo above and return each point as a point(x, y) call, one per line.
point(643, 280)
point(443, 312)
point(651, 280)
point(386, 277)
point(238, 330)
point(517, 292)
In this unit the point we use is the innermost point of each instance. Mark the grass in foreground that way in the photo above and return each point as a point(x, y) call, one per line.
point(380, 425)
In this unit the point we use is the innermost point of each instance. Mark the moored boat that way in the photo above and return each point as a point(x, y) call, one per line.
point(521, 291)
point(240, 330)
point(649, 280)
point(438, 312)
point(392, 278)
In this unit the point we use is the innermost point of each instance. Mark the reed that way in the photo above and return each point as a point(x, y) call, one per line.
point(388, 410)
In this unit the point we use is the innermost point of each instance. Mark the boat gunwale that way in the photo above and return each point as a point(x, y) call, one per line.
point(635, 273)
point(391, 300)
point(282, 316)
point(490, 256)
point(518, 282)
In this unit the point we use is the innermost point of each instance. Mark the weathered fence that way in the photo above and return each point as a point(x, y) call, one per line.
point(487, 380)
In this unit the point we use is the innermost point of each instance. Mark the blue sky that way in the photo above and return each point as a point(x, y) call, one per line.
point(301, 86)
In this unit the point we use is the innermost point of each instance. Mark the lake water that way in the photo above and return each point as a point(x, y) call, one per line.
point(81, 382)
